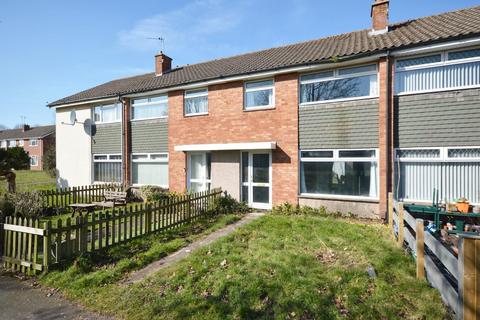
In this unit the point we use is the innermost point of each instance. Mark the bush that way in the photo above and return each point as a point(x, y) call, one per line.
point(7, 208)
point(288, 209)
point(17, 158)
point(50, 162)
point(153, 193)
point(24, 205)
point(227, 204)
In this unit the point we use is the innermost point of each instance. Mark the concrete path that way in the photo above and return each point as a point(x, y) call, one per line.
point(182, 253)
point(22, 300)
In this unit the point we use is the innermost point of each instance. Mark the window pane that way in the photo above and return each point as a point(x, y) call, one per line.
point(464, 54)
point(196, 187)
point(251, 85)
point(339, 178)
point(337, 89)
point(116, 157)
point(419, 61)
point(261, 168)
point(244, 166)
point(107, 171)
point(197, 166)
point(196, 105)
point(196, 92)
point(150, 111)
point(209, 165)
point(369, 68)
point(317, 154)
point(418, 153)
point(245, 194)
point(356, 153)
point(139, 156)
point(464, 153)
point(261, 194)
point(100, 157)
point(150, 173)
point(320, 75)
point(259, 98)
point(109, 114)
point(159, 156)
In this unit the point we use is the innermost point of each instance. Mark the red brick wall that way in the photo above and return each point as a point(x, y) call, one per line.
point(384, 135)
point(228, 123)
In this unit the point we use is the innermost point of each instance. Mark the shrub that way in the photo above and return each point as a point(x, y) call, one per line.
point(227, 204)
point(50, 162)
point(25, 205)
point(15, 158)
point(7, 208)
point(288, 209)
point(153, 193)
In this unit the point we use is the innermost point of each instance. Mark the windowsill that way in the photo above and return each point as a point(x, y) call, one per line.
point(138, 185)
point(250, 109)
point(196, 114)
point(337, 100)
point(112, 122)
point(437, 90)
point(147, 119)
point(338, 197)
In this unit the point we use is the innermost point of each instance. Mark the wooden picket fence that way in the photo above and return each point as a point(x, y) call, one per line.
point(457, 278)
point(30, 247)
point(61, 198)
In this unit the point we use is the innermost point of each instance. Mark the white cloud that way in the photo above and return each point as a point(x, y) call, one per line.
point(184, 28)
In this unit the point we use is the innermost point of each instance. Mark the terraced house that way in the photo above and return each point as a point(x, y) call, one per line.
point(338, 121)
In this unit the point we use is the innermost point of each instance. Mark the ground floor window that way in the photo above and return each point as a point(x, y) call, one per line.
point(150, 169)
point(339, 173)
point(454, 172)
point(199, 171)
point(107, 168)
point(33, 161)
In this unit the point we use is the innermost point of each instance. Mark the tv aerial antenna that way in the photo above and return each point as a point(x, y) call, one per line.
point(162, 41)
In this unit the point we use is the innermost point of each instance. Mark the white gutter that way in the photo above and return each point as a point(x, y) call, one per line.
point(257, 75)
point(436, 47)
point(227, 146)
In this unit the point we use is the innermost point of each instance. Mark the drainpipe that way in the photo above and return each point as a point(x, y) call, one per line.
point(125, 141)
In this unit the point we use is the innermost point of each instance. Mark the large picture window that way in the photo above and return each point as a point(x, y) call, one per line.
point(453, 171)
point(348, 83)
point(342, 173)
point(196, 102)
point(148, 108)
point(108, 113)
point(199, 171)
point(445, 70)
point(107, 168)
point(150, 169)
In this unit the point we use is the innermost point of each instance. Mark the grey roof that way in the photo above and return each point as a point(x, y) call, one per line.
point(35, 132)
point(447, 26)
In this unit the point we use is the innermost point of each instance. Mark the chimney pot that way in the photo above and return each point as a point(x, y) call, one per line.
point(163, 63)
point(379, 14)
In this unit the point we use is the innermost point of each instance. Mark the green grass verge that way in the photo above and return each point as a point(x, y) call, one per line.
point(276, 267)
point(28, 180)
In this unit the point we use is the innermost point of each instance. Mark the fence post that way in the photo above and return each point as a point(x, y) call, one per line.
point(2, 239)
point(420, 241)
point(189, 207)
point(469, 278)
point(390, 210)
point(401, 224)
point(46, 246)
point(148, 218)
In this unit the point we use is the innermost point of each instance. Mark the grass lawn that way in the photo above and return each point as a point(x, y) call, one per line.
point(276, 267)
point(28, 180)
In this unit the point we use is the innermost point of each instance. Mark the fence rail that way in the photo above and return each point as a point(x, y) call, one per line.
point(29, 247)
point(457, 278)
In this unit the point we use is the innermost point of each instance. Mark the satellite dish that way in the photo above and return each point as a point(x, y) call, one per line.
point(89, 127)
point(73, 117)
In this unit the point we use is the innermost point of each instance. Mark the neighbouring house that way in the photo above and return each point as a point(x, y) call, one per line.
point(36, 141)
point(336, 122)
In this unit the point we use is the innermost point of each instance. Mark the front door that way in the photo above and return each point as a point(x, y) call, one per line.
point(257, 179)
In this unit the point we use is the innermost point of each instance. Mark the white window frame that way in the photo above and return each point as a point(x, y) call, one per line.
point(12, 143)
point(33, 142)
point(337, 76)
point(442, 158)
point(204, 179)
point(3, 144)
point(118, 112)
point(262, 88)
point(147, 104)
point(336, 158)
point(35, 158)
point(109, 156)
point(148, 159)
point(21, 143)
point(196, 95)
point(443, 62)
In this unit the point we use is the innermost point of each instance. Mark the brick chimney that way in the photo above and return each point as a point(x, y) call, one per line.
point(25, 127)
point(163, 63)
point(379, 14)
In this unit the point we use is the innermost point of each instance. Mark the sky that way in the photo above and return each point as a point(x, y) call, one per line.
point(50, 49)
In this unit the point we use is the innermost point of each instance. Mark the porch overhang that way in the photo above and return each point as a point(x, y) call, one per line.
point(269, 145)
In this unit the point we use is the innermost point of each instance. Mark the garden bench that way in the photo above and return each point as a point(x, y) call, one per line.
point(112, 199)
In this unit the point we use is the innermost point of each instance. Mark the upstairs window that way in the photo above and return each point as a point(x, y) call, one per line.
point(259, 94)
point(196, 102)
point(21, 142)
point(340, 84)
point(108, 113)
point(33, 142)
point(3, 144)
point(149, 108)
point(12, 143)
point(445, 70)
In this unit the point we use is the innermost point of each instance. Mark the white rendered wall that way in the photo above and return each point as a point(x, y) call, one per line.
point(74, 163)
